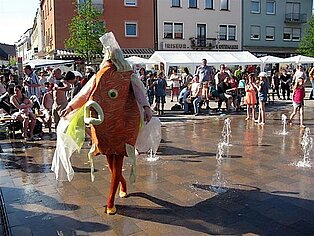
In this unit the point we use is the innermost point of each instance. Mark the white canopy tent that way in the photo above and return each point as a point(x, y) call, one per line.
point(192, 59)
point(299, 59)
point(134, 60)
point(270, 60)
point(42, 63)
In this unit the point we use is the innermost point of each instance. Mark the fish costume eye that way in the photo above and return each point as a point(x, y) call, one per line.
point(113, 93)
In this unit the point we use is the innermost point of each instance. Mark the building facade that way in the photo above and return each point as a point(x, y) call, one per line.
point(24, 46)
point(37, 46)
point(263, 27)
point(274, 27)
point(132, 22)
point(199, 25)
point(56, 17)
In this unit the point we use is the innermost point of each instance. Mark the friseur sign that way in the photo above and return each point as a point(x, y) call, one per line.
point(174, 46)
point(226, 46)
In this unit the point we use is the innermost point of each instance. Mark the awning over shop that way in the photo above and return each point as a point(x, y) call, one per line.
point(139, 52)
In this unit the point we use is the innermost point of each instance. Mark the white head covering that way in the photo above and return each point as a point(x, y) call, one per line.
point(112, 51)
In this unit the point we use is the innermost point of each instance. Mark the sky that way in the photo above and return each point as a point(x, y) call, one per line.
point(16, 16)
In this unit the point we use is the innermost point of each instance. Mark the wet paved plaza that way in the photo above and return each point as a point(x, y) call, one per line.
point(265, 194)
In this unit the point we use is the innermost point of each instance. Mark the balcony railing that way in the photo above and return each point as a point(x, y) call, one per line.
point(295, 18)
point(202, 43)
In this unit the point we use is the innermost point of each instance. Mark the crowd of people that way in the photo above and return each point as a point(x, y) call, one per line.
point(39, 97)
point(241, 86)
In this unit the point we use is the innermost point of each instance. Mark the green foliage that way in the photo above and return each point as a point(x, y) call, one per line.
point(12, 61)
point(85, 30)
point(306, 47)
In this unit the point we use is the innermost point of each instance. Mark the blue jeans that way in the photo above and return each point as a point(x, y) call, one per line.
point(196, 104)
point(312, 92)
point(185, 103)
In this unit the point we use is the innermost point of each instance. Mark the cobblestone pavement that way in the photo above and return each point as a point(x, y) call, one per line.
point(260, 190)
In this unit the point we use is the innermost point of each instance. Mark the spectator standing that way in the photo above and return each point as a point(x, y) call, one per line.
point(275, 84)
point(311, 75)
point(238, 73)
point(175, 85)
point(42, 80)
point(31, 83)
point(59, 95)
point(75, 85)
point(89, 72)
point(205, 74)
point(160, 92)
point(299, 73)
point(250, 97)
point(263, 87)
point(150, 88)
point(285, 80)
point(142, 75)
point(47, 103)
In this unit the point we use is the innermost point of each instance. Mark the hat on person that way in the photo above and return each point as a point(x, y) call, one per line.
point(262, 74)
point(77, 73)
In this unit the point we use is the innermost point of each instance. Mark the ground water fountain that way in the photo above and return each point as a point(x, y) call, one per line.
point(284, 125)
point(307, 145)
point(226, 132)
point(219, 182)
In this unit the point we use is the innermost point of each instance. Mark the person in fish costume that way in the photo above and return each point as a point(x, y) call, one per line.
point(113, 103)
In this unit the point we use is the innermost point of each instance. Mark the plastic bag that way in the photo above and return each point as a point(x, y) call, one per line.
point(149, 136)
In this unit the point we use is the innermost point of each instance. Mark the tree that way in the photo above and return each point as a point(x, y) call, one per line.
point(306, 47)
point(85, 31)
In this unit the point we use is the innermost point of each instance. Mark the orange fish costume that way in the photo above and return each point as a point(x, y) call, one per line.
point(112, 103)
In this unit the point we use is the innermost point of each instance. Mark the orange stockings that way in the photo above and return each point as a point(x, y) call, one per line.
point(115, 163)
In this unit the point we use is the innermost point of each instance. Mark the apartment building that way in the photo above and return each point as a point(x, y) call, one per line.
point(37, 46)
point(23, 46)
point(56, 17)
point(274, 27)
point(132, 22)
point(199, 25)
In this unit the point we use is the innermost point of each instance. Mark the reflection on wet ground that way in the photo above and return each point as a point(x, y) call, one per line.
point(174, 195)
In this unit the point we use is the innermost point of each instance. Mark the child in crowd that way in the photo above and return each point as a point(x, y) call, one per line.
point(298, 101)
point(262, 97)
point(250, 97)
point(47, 106)
point(27, 112)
